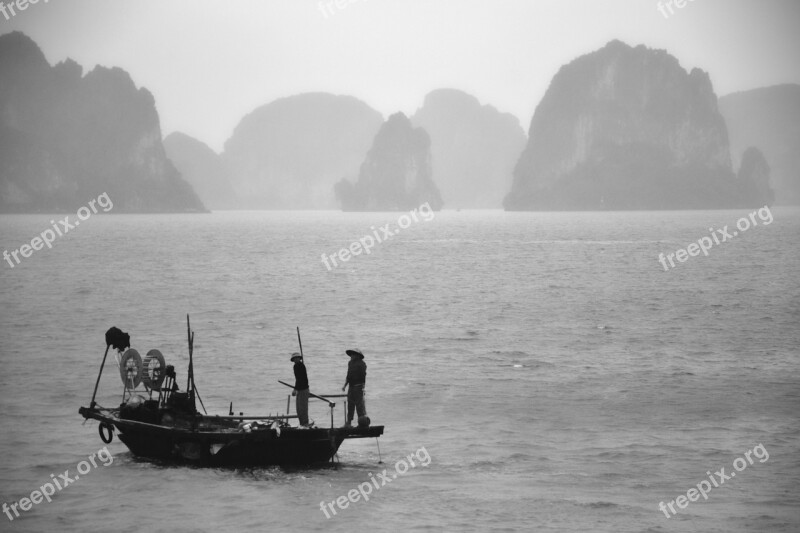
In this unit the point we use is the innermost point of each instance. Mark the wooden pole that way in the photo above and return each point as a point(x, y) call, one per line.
point(242, 417)
point(310, 394)
point(300, 342)
point(189, 340)
point(97, 383)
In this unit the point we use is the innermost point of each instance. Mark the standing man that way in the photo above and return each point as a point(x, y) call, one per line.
point(356, 378)
point(300, 388)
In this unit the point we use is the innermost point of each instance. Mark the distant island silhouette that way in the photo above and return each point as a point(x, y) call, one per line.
point(628, 128)
point(619, 128)
point(66, 138)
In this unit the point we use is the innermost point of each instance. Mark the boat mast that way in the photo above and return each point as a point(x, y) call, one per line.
point(191, 386)
point(190, 379)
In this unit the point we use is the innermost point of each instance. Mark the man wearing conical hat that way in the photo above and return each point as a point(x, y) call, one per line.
point(356, 378)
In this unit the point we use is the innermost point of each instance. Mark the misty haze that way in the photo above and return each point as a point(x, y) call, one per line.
point(400, 265)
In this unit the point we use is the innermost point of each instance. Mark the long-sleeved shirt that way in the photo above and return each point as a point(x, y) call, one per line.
point(300, 376)
point(356, 372)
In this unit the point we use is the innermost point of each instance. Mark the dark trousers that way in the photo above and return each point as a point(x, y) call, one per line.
point(355, 401)
point(301, 404)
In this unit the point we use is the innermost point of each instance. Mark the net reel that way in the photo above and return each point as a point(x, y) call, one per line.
point(153, 373)
point(130, 370)
point(134, 371)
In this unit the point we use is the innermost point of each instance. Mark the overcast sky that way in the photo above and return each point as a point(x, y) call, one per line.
point(208, 63)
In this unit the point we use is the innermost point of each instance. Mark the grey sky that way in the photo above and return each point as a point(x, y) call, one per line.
point(210, 62)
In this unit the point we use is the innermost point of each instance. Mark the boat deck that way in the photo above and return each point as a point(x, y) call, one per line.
point(218, 440)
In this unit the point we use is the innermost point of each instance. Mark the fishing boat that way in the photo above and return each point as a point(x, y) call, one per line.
point(156, 420)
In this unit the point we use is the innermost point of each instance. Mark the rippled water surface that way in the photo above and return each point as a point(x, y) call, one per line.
point(558, 377)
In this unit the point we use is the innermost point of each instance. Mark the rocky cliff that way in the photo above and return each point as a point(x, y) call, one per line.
point(769, 119)
point(628, 128)
point(203, 169)
point(754, 176)
point(396, 174)
point(474, 148)
point(289, 154)
point(66, 138)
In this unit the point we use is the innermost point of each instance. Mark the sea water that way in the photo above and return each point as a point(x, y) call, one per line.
point(557, 377)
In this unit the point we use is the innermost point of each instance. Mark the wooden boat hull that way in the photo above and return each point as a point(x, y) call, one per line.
point(217, 443)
